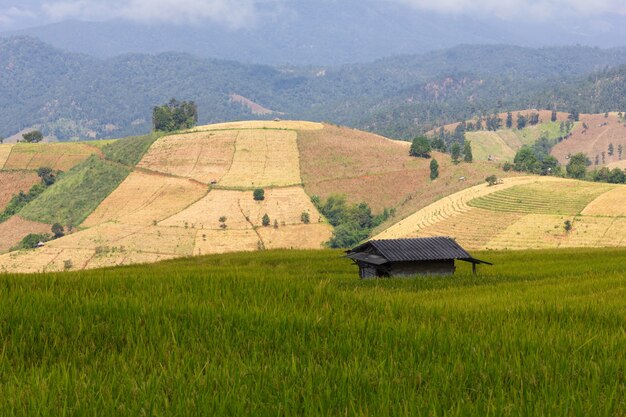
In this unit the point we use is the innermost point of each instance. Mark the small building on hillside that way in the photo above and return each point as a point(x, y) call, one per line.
point(408, 257)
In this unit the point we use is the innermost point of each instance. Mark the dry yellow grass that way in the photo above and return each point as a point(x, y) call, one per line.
point(302, 236)
point(486, 143)
point(264, 158)
point(143, 199)
point(61, 156)
point(619, 164)
point(223, 241)
point(103, 260)
point(12, 182)
point(264, 124)
point(203, 156)
point(242, 212)
point(5, 151)
point(450, 206)
point(611, 203)
point(44, 260)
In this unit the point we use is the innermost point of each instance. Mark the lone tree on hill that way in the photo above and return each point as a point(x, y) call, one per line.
point(258, 194)
point(47, 176)
point(553, 116)
point(434, 169)
point(521, 122)
point(455, 152)
point(265, 221)
point(611, 149)
point(467, 152)
point(420, 147)
point(175, 115)
point(509, 120)
point(33, 137)
point(577, 165)
point(567, 225)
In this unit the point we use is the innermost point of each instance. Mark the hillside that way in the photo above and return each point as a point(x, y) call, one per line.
point(190, 193)
point(524, 213)
point(71, 96)
point(591, 135)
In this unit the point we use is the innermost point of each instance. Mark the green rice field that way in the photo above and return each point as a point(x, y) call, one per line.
point(284, 333)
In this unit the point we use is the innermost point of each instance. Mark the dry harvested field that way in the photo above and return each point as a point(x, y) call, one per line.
point(202, 156)
point(242, 212)
point(144, 199)
point(619, 164)
point(263, 124)
point(379, 171)
point(594, 140)
point(13, 230)
point(61, 156)
point(524, 213)
point(12, 182)
point(5, 151)
point(264, 158)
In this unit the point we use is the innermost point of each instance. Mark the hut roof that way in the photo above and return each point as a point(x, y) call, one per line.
point(378, 252)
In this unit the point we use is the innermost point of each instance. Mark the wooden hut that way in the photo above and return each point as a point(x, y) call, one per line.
point(408, 257)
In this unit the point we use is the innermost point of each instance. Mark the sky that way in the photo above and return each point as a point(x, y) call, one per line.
point(237, 13)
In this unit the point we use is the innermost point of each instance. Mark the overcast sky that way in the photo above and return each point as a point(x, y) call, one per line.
point(19, 14)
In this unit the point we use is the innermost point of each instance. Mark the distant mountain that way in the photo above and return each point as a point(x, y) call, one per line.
point(71, 95)
point(326, 32)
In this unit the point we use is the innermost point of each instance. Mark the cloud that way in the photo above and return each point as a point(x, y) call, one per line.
point(235, 13)
point(533, 9)
point(11, 14)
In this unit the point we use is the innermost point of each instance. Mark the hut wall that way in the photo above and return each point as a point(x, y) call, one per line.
point(423, 268)
point(367, 271)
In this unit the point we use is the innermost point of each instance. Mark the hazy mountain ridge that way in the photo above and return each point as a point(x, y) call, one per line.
point(75, 95)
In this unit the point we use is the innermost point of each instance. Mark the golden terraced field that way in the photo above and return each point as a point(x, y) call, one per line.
point(524, 213)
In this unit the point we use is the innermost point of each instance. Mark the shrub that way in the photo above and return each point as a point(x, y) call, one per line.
point(420, 147)
point(305, 217)
point(434, 169)
point(57, 230)
point(266, 220)
point(491, 180)
point(258, 194)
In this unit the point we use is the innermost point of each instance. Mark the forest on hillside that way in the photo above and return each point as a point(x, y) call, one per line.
point(72, 96)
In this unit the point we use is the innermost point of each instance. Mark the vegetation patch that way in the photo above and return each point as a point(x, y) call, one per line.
point(184, 335)
point(76, 193)
point(129, 151)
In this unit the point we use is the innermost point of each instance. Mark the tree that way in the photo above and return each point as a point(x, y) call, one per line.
point(175, 115)
point(567, 225)
point(258, 194)
point(617, 176)
point(305, 217)
point(434, 169)
point(553, 116)
point(509, 120)
point(455, 152)
point(467, 152)
point(533, 119)
point(265, 221)
point(491, 180)
point(420, 147)
point(47, 176)
point(574, 115)
point(58, 230)
point(620, 149)
point(611, 149)
point(577, 165)
point(33, 137)
point(525, 160)
point(521, 122)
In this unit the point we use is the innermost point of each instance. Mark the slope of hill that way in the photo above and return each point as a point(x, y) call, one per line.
point(522, 213)
point(191, 193)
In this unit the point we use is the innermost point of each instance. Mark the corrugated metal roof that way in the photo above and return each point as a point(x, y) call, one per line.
point(367, 257)
point(418, 249)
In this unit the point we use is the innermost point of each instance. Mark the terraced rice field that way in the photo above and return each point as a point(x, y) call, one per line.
point(560, 197)
point(16, 228)
point(264, 158)
point(59, 156)
point(263, 124)
point(5, 151)
point(12, 182)
point(529, 213)
point(202, 156)
point(144, 199)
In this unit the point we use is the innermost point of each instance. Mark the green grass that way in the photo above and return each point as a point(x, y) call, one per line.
point(297, 333)
point(79, 191)
point(530, 134)
point(76, 193)
point(129, 151)
point(542, 198)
